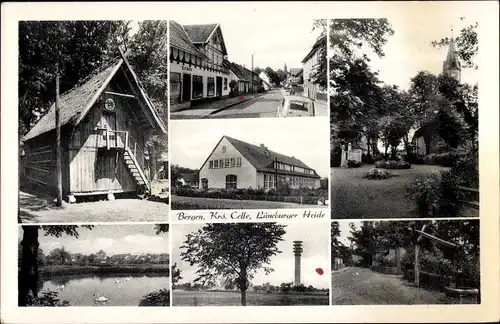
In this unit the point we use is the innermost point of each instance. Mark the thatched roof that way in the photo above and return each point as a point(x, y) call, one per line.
point(75, 103)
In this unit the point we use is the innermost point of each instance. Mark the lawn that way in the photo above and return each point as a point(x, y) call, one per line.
point(194, 203)
point(356, 197)
point(232, 298)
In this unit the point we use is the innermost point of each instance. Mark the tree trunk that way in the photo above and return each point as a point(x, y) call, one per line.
point(28, 274)
point(368, 143)
point(386, 146)
point(393, 152)
point(243, 297)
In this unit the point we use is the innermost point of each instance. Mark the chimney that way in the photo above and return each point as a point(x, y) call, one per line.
point(262, 146)
point(297, 251)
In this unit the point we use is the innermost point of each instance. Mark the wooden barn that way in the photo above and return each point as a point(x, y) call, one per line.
point(104, 121)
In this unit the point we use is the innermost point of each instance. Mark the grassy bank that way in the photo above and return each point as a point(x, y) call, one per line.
point(66, 270)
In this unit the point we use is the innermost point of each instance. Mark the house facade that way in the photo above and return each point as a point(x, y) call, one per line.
point(105, 122)
point(295, 76)
point(310, 66)
point(234, 164)
point(197, 72)
point(266, 81)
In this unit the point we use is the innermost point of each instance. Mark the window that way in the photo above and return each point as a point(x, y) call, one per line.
point(204, 183)
point(211, 164)
point(224, 149)
point(226, 163)
point(225, 83)
point(272, 181)
point(231, 181)
point(197, 86)
point(221, 163)
point(238, 162)
point(299, 105)
point(175, 88)
point(210, 87)
point(216, 164)
point(232, 162)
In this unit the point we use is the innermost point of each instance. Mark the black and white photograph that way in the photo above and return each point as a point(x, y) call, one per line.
point(228, 68)
point(93, 121)
point(405, 262)
point(254, 264)
point(231, 164)
point(93, 265)
point(404, 117)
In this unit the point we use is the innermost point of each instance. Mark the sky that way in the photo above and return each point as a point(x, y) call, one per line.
point(273, 40)
point(315, 237)
point(409, 50)
point(305, 138)
point(112, 239)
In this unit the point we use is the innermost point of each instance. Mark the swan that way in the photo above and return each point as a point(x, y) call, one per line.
point(100, 299)
point(127, 279)
point(60, 287)
point(117, 281)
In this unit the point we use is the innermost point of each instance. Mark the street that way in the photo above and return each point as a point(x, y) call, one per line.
point(261, 106)
point(362, 286)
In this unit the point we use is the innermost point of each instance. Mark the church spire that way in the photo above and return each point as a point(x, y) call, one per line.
point(451, 66)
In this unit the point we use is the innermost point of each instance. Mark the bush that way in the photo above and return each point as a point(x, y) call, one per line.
point(425, 192)
point(378, 174)
point(430, 159)
point(156, 298)
point(415, 159)
point(48, 298)
point(354, 164)
point(445, 159)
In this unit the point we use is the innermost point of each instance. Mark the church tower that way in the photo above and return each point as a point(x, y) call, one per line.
point(451, 66)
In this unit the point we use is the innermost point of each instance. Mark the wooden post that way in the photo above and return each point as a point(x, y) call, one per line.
point(417, 271)
point(126, 140)
point(417, 250)
point(107, 139)
point(58, 144)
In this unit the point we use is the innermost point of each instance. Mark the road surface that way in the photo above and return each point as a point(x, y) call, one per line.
point(361, 286)
point(261, 106)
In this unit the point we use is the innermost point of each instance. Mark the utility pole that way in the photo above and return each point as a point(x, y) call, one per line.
point(252, 74)
point(417, 263)
point(58, 144)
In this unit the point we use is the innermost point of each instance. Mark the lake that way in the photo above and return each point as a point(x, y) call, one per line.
point(79, 290)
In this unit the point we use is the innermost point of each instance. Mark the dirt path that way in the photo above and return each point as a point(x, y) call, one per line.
point(361, 286)
point(33, 209)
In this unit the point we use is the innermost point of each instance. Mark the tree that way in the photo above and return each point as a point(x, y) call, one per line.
point(354, 88)
point(232, 251)
point(60, 255)
point(28, 273)
point(73, 48)
point(176, 174)
point(176, 275)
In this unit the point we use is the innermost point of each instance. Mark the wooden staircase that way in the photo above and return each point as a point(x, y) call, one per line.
point(135, 170)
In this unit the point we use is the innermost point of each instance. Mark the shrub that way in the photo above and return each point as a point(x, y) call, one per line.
point(378, 174)
point(353, 164)
point(156, 298)
point(430, 159)
point(425, 192)
point(415, 159)
point(445, 159)
point(48, 298)
point(393, 164)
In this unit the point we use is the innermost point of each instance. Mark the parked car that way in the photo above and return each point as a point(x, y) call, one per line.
point(295, 106)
